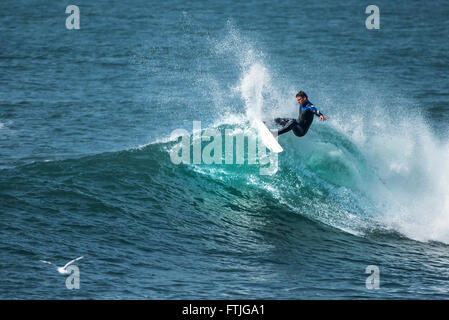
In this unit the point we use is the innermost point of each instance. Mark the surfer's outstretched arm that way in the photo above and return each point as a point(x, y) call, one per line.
point(318, 113)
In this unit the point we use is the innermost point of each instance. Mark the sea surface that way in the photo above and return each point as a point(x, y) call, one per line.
point(357, 209)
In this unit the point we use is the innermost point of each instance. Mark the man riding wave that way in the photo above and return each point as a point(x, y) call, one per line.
point(301, 125)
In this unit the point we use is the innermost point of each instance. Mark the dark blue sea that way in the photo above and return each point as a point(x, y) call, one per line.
point(357, 209)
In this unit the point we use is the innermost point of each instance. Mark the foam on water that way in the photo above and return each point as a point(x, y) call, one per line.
point(411, 164)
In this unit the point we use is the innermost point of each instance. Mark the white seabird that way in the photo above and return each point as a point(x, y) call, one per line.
point(63, 270)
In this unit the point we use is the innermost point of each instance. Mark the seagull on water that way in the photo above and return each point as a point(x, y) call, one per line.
point(63, 270)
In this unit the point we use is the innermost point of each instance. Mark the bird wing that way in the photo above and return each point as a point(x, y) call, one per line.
point(47, 262)
point(72, 261)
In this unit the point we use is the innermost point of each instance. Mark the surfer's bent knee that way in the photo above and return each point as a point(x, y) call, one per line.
point(299, 131)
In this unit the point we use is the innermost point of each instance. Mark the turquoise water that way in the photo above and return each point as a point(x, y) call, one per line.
point(86, 118)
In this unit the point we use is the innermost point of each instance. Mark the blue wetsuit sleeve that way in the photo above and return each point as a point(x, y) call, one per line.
point(316, 111)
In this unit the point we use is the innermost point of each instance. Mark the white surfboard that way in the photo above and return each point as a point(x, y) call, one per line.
point(267, 137)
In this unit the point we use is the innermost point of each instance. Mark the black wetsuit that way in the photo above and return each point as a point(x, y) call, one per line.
point(301, 125)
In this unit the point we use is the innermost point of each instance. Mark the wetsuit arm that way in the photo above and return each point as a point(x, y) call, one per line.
point(316, 112)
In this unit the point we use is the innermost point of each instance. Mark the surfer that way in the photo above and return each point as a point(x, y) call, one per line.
point(301, 125)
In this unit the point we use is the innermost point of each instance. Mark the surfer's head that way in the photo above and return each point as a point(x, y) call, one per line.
point(301, 97)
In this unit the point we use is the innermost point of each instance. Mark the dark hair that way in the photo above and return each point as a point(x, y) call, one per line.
point(301, 94)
